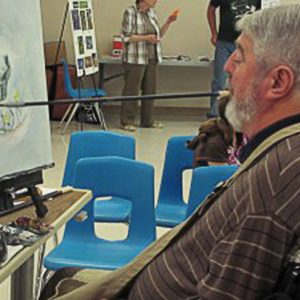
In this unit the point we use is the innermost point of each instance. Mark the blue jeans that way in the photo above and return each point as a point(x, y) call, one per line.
point(222, 53)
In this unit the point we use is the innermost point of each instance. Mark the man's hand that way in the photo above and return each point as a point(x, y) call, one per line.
point(152, 39)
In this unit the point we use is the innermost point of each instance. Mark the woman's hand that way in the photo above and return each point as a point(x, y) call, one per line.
point(173, 16)
point(152, 39)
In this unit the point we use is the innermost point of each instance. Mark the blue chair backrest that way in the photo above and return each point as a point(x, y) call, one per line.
point(96, 144)
point(68, 84)
point(177, 159)
point(123, 178)
point(82, 92)
point(204, 180)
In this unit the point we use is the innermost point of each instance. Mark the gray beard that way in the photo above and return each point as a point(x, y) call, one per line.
point(239, 114)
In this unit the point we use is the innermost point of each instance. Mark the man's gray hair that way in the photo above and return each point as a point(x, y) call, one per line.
point(276, 36)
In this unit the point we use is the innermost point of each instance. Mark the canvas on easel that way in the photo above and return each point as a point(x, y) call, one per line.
point(84, 39)
point(24, 132)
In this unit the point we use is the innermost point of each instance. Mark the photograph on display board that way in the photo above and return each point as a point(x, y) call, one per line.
point(76, 5)
point(75, 19)
point(84, 4)
point(83, 19)
point(88, 61)
point(95, 60)
point(89, 42)
point(80, 45)
point(80, 63)
point(89, 19)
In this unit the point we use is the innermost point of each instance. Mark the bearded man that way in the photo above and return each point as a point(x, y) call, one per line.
point(235, 244)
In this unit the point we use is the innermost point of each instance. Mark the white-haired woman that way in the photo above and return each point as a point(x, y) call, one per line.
point(142, 53)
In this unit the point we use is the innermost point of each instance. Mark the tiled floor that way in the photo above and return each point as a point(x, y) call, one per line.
point(150, 144)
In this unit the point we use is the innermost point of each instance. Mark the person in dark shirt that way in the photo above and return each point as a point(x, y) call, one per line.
point(224, 37)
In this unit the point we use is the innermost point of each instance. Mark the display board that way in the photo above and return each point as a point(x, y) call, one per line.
point(83, 29)
point(24, 132)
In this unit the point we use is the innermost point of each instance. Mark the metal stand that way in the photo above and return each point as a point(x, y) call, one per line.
point(71, 113)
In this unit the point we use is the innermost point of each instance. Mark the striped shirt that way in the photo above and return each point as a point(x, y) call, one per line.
point(235, 251)
point(134, 24)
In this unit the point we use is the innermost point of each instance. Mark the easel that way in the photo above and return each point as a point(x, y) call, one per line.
point(98, 113)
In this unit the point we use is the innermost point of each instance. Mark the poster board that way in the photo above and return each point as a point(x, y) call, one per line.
point(84, 40)
point(269, 3)
point(24, 132)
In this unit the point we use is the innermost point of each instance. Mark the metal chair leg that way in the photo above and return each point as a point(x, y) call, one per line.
point(100, 116)
point(103, 119)
point(66, 114)
point(70, 117)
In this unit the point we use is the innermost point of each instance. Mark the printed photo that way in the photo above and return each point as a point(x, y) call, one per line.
point(89, 42)
point(75, 19)
point(84, 4)
point(88, 61)
point(95, 59)
point(80, 45)
point(83, 19)
point(89, 19)
point(80, 63)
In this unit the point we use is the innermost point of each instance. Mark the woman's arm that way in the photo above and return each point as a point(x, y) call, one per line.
point(172, 18)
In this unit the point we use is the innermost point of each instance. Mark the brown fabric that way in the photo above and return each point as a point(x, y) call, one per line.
point(235, 251)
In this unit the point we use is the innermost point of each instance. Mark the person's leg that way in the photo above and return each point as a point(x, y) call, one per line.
point(149, 85)
point(222, 53)
point(133, 81)
point(50, 288)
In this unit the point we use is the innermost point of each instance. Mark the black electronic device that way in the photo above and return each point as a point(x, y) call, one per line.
point(13, 183)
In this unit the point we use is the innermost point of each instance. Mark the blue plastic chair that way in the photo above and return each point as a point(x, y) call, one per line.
point(116, 176)
point(204, 180)
point(86, 144)
point(78, 94)
point(171, 209)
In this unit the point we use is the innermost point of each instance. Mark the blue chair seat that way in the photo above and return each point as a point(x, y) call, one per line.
point(87, 93)
point(115, 209)
point(170, 215)
point(98, 254)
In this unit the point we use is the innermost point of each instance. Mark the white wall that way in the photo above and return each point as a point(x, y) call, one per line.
point(189, 35)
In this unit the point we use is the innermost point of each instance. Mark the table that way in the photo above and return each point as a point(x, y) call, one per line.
point(60, 210)
point(110, 60)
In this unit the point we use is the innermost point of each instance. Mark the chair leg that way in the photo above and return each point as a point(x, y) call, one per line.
point(104, 126)
point(100, 116)
point(66, 114)
point(70, 118)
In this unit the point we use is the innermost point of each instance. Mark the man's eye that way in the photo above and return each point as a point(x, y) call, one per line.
point(238, 59)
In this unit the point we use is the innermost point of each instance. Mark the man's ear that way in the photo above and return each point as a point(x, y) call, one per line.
point(280, 82)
